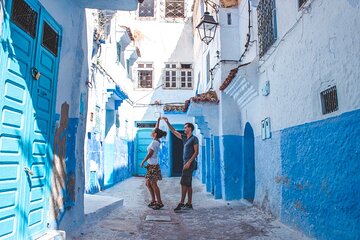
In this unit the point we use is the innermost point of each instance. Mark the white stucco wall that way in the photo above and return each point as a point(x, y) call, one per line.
point(317, 36)
point(159, 42)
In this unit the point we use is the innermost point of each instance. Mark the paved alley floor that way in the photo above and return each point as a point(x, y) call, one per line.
point(210, 219)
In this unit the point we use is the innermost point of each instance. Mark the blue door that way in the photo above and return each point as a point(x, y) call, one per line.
point(143, 139)
point(27, 85)
point(249, 163)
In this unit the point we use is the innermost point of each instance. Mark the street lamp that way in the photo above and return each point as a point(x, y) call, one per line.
point(207, 26)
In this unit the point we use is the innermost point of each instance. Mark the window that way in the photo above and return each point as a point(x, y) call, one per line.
point(145, 72)
point(146, 8)
point(170, 75)
point(329, 100)
point(118, 52)
point(302, 3)
point(178, 75)
point(185, 76)
point(267, 31)
point(208, 67)
point(174, 9)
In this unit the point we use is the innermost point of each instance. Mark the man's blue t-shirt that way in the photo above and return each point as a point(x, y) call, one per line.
point(189, 146)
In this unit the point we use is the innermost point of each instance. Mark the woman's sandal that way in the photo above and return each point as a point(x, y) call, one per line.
point(152, 204)
point(158, 206)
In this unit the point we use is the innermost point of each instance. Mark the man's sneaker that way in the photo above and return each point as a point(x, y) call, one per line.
point(179, 207)
point(188, 206)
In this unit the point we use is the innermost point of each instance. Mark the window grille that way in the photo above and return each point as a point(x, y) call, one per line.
point(145, 73)
point(174, 9)
point(329, 100)
point(24, 17)
point(50, 39)
point(267, 32)
point(302, 3)
point(146, 8)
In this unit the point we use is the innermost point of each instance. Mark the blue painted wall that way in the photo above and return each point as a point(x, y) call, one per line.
point(231, 166)
point(202, 161)
point(321, 162)
point(209, 186)
point(94, 181)
point(217, 169)
point(164, 159)
point(269, 180)
point(71, 162)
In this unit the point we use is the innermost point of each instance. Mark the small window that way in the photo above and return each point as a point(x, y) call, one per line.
point(145, 75)
point(174, 8)
point(302, 3)
point(186, 76)
point(118, 52)
point(229, 18)
point(329, 100)
point(146, 8)
point(267, 29)
point(208, 67)
point(170, 75)
point(50, 39)
point(24, 17)
point(178, 77)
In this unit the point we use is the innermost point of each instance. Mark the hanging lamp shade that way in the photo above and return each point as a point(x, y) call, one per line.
point(207, 28)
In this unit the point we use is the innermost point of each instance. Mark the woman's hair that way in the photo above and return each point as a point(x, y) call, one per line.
point(160, 133)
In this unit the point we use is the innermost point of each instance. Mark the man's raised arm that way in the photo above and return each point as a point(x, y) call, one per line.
point(172, 129)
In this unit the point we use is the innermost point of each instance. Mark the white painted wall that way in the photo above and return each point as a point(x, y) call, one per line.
point(313, 51)
point(159, 42)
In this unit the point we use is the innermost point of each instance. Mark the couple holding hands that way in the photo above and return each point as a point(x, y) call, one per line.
point(153, 174)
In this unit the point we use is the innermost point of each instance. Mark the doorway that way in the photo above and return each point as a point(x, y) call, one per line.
point(176, 155)
point(249, 163)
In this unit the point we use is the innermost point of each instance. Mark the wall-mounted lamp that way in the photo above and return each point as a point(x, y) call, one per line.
point(207, 26)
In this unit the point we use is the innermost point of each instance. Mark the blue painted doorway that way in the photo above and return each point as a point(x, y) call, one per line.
point(30, 54)
point(142, 141)
point(249, 163)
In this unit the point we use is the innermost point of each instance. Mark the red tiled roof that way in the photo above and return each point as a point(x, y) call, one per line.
point(231, 76)
point(207, 97)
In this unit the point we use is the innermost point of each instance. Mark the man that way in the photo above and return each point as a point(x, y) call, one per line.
point(191, 150)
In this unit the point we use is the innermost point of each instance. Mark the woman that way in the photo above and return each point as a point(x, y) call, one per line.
point(153, 173)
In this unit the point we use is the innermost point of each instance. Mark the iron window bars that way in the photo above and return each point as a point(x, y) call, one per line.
point(267, 31)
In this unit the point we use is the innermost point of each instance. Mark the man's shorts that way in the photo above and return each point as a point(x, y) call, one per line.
point(186, 176)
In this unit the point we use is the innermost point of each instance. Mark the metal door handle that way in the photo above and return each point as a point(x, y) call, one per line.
point(35, 73)
point(27, 170)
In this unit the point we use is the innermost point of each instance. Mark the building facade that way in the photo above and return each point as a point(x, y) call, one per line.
point(286, 76)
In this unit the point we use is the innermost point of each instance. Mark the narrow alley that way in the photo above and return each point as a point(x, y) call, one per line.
point(255, 101)
point(210, 218)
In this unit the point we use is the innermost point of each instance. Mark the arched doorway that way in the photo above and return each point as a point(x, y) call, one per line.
point(249, 163)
